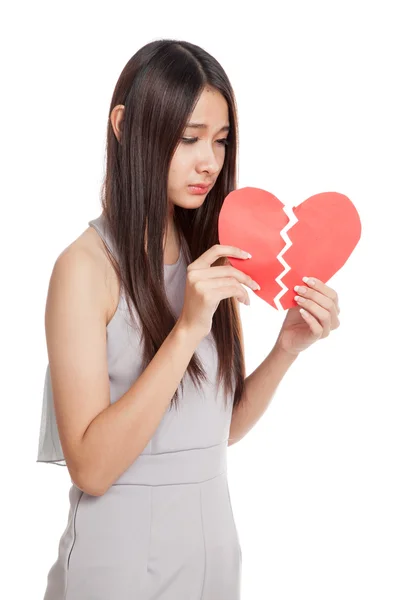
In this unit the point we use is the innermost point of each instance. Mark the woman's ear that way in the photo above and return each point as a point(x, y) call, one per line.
point(116, 118)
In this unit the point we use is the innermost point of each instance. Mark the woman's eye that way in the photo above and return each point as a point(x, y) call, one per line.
point(223, 142)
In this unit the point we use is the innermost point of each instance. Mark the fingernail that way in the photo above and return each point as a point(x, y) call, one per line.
point(309, 280)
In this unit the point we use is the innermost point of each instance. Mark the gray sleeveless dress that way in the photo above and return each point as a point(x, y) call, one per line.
point(165, 529)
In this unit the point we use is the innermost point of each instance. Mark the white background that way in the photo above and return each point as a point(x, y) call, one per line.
point(315, 484)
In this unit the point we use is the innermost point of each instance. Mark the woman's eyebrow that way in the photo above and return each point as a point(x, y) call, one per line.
point(203, 126)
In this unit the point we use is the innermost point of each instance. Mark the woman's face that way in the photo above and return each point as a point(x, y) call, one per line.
point(200, 160)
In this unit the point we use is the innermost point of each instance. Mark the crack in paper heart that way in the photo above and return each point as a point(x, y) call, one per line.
point(283, 233)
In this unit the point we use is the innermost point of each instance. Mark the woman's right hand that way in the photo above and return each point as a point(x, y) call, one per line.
point(206, 286)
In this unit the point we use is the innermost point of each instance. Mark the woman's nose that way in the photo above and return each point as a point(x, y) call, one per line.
point(210, 163)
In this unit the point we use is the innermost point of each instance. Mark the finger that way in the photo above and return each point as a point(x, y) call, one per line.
point(229, 271)
point(229, 286)
point(327, 303)
point(228, 291)
point(319, 286)
point(305, 292)
point(312, 322)
point(322, 315)
point(206, 259)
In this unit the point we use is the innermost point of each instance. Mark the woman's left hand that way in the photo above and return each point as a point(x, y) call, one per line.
point(300, 330)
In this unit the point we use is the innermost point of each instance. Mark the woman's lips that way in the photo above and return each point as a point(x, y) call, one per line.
point(194, 189)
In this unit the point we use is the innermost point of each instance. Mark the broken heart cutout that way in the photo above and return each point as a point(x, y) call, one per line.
point(321, 233)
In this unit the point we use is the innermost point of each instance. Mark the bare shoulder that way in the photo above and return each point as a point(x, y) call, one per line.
point(88, 254)
point(75, 325)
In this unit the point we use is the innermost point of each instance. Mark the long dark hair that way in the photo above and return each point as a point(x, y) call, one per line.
point(159, 87)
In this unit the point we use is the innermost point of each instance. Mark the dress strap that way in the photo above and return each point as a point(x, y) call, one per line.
point(100, 225)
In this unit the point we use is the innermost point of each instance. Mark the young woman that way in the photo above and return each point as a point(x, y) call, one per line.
point(146, 366)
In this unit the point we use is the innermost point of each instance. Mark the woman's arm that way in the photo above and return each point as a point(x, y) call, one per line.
point(101, 440)
point(259, 389)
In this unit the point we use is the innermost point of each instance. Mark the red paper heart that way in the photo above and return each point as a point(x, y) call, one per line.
point(326, 233)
